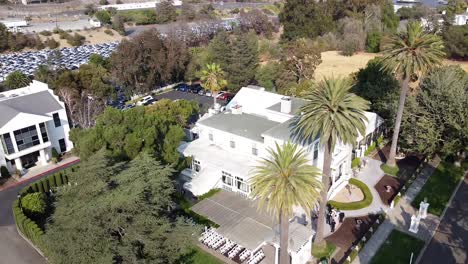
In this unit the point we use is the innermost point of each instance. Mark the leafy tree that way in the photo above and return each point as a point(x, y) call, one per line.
point(306, 19)
point(118, 24)
point(408, 54)
point(165, 12)
point(212, 78)
point(415, 12)
point(354, 36)
point(436, 119)
point(390, 20)
point(283, 181)
point(34, 203)
point(16, 80)
point(373, 41)
point(199, 57)
point(118, 213)
point(456, 7)
point(103, 2)
point(4, 37)
point(96, 59)
point(220, 49)
point(104, 16)
point(336, 115)
point(456, 41)
point(379, 87)
point(143, 62)
point(267, 74)
point(257, 21)
point(243, 61)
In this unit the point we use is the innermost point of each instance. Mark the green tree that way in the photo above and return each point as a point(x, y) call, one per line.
point(267, 74)
point(456, 7)
point(97, 59)
point(456, 41)
point(199, 57)
point(212, 78)
point(390, 20)
point(104, 16)
point(373, 41)
point(118, 213)
point(283, 181)
point(34, 204)
point(336, 115)
point(379, 87)
point(4, 37)
point(165, 12)
point(16, 80)
point(436, 119)
point(306, 19)
point(409, 54)
point(243, 61)
point(118, 24)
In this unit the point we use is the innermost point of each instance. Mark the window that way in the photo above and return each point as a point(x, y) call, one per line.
point(232, 143)
point(254, 150)
point(56, 120)
point(227, 178)
point(26, 137)
point(45, 137)
point(210, 136)
point(242, 185)
point(196, 165)
point(316, 150)
point(7, 144)
point(63, 146)
point(340, 172)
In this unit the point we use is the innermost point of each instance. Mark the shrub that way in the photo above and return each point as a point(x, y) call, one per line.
point(55, 155)
point(103, 2)
point(356, 163)
point(393, 171)
point(58, 179)
point(355, 205)
point(208, 194)
point(4, 172)
point(45, 33)
point(26, 226)
point(370, 149)
point(34, 203)
point(373, 41)
point(109, 32)
point(51, 43)
point(76, 40)
point(380, 141)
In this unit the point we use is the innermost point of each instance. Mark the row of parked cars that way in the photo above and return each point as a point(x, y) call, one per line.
point(69, 58)
point(197, 89)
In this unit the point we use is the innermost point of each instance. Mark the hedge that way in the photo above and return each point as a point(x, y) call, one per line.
point(355, 205)
point(371, 148)
point(49, 182)
point(27, 227)
point(355, 163)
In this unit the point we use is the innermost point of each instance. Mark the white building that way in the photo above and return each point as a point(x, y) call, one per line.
point(230, 143)
point(32, 122)
point(15, 26)
point(461, 19)
point(94, 22)
point(142, 5)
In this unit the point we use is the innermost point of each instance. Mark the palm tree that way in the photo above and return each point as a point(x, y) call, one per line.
point(408, 55)
point(213, 79)
point(282, 181)
point(336, 115)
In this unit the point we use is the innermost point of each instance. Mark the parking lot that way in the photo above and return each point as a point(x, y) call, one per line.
point(70, 58)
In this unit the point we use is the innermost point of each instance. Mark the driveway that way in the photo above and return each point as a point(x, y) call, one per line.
point(450, 242)
point(13, 248)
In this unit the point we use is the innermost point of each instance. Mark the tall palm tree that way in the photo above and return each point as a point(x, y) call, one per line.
point(408, 55)
point(213, 79)
point(283, 180)
point(335, 115)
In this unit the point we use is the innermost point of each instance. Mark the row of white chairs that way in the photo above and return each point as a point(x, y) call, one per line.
point(226, 247)
point(244, 255)
point(257, 257)
point(235, 251)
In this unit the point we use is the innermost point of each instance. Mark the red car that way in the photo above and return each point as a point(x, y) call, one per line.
point(225, 96)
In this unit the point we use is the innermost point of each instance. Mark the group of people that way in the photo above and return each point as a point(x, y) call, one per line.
point(334, 216)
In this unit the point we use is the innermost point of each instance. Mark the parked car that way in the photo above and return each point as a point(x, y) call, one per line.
point(195, 88)
point(182, 87)
point(145, 100)
point(225, 96)
point(208, 93)
point(201, 92)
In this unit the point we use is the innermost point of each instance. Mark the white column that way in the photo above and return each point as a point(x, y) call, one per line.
point(276, 254)
point(43, 157)
point(39, 134)
point(19, 165)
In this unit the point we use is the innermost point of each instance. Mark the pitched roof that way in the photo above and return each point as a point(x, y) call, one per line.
point(296, 104)
point(36, 104)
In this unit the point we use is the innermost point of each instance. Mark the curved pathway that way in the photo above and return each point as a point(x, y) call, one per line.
point(13, 248)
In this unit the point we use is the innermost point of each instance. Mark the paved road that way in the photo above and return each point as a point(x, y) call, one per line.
point(13, 248)
point(450, 242)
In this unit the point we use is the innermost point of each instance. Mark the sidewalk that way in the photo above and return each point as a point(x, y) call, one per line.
point(41, 170)
point(400, 218)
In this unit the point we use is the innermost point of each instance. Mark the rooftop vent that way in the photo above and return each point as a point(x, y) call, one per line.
point(237, 109)
point(286, 105)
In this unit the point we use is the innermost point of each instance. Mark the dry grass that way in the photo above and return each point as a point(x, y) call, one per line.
point(93, 36)
point(334, 64)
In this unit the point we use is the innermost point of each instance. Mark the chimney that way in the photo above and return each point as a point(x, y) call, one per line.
point(286, 105)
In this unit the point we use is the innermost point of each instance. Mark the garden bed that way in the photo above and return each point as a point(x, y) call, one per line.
point(439, 187)
point(387, 180)
point(398, 248)
point(355, 205)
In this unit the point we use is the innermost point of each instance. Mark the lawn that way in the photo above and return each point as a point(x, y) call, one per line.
point(198, 256)
point(398, 248)
point(439, 187)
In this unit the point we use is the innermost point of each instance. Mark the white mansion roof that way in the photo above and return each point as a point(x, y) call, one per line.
point(33, 102)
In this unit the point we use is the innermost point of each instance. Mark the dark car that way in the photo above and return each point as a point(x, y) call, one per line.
point(182, 87)
point(195, 88)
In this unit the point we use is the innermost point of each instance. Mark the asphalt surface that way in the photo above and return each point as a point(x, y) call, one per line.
point(13, 248)
point(450, 242)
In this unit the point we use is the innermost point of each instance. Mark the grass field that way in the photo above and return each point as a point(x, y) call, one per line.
point(439, 187)
point(397, 249)
point(334, 64)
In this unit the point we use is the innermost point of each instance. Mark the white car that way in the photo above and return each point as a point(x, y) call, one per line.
point(208, 93)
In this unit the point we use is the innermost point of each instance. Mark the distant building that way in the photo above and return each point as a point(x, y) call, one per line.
point(15, 26)
point(461, 19)
point(32, 121)
point(94, 22)
point(143, 5)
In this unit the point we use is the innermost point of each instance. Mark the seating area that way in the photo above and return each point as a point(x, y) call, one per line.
point(230, 249)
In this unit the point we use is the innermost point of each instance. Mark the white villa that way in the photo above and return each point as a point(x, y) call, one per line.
point(32, 122)
point(229, 142)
